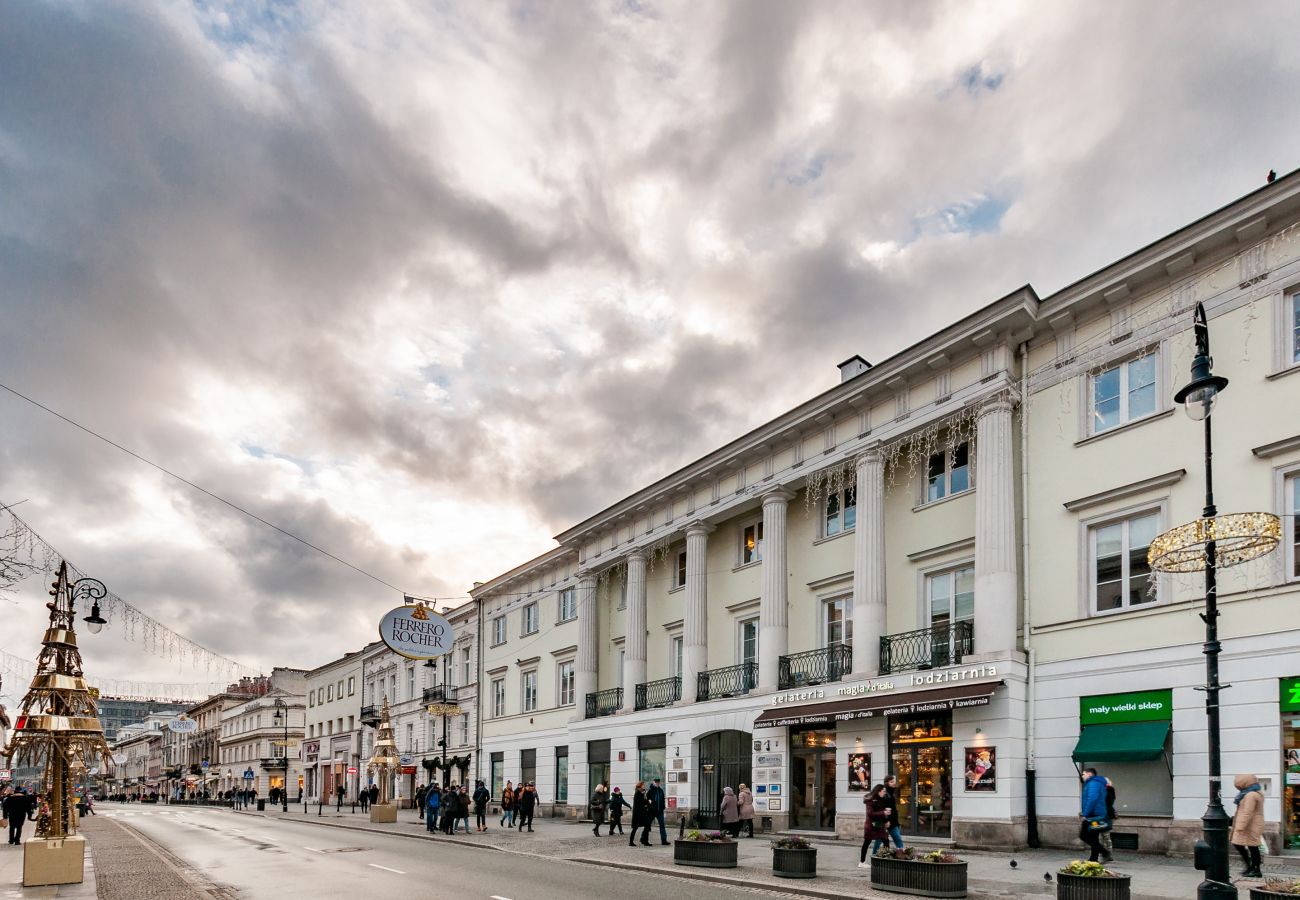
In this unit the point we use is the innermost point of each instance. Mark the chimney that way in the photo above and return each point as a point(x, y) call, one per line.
point(852, 367)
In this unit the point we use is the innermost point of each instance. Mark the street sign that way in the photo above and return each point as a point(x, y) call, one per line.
point(7, 774)
point(204, 764)
point(405, 759)
point(248, 775)
point(352, 770)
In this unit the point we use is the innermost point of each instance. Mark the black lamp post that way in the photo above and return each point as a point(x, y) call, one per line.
point(282, 716)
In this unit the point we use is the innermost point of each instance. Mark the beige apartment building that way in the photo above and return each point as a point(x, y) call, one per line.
point(254, 733)
point(935, 569)
point(331, 750)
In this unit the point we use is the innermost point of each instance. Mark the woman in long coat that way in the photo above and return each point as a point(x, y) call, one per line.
point(876, 831)
point(1248, 823)
point(746, 801)
point(641, 817)
point(598, 809)
point(730, 812)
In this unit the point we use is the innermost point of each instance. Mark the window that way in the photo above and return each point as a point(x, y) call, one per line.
point(751, 543)
point(530, 619)
point(950, 596)
point(351, 723)
point(652, 755)
point(622, 657)
point(311, 698)
point(1293, 328)
point(498, 697)
point(568, 604)
point(465, 667)
point(339, 691)
point(948, 473)
point(566, 683)
point(528, 766)
point(497, 768)
point(464, 729)
point(1123, 393)
point(675, 656)
point(679, 573)
point(329, 693)
point(410, 683)
point(1120, 575)
point(841, 512)
point(352, 685)
point(748, 639)
point(1292, 488)
point(410, 738)
point(837, 621)
point(392, 686)
point(529, 691)
point(498, 630)
point(561, 774)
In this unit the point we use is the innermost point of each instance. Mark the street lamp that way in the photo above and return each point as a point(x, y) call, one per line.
point(1209, 543)
point(282, 717)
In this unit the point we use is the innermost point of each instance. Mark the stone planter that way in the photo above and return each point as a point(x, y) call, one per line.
point(705, 854)
point(1260, 893)
point(924, 879)
point(792, 863)
point(1082, 887)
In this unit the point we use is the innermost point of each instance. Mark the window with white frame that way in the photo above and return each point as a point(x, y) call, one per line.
point(329, 693)
point(675, 646)
point(410, 683)
point(1125, 392)
point(352, 685)
point(498, 697)
point(841, 512)
point(1291, 488)
point(339, 689)
point(464, 729)
point(465, 665)
point(948, 473)
point(528, 690)
point(311, 698)
point(568, 604)
point(566, 683)
point(618, 672)
point(498, 630)
point(837, 621)
point(950, 596)
point(1118, 573)
point(747, 640)
point(679, 571)
point(1291, 329)
point(530, 619)
point(751, 542)
point(622, 591)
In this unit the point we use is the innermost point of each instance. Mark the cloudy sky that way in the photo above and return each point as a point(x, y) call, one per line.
point(427, 282)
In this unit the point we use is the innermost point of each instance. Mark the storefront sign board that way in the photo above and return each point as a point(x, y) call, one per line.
point(1291, 695)
point(906, 709)
point(1136, 706)
point(416, 632)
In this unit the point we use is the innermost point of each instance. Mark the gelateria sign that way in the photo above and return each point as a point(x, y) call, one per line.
point(904, 682)
point(416, 632)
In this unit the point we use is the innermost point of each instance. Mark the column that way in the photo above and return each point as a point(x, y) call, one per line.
point(584, 674)
point(773, 611)
point(869, 621)
point(635, 638)
point(996, 581)
point(695, 624)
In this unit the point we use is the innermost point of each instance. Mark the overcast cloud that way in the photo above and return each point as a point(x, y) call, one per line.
point(427, 283)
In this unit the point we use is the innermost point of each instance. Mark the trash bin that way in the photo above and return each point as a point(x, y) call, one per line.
point(83, 809)
point(261, 805)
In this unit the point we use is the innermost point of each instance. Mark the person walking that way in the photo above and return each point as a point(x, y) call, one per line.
point(617, 803)
point(17, 809)
point(642, 817)
point(363, 795)
point(1092, 812)
point(729, 811)
point(449, 805)
point(658, 803)
point(745, 800)
point(432, 806)
point(875, 832)
point(374, 794)
point(340, 792)
point(508, 806)
point(598, 803)
point(462, 808)
point(1248, 823)
point(527, 806)
point(420, 793)
point(1107, 848)
point(481, 798)
point(895, 832)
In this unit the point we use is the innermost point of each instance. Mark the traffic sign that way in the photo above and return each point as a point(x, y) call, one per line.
point(352, 770)
point(204, 764)
point(7, 774)
point(406, 760)
point(248, 775)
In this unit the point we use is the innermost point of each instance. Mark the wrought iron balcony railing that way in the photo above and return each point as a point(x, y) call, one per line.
point(604, 703)
point(729, 681)
point(370, 715)
point(815, 666)
point(928, 648)
point(653, 694)
point(440, 694)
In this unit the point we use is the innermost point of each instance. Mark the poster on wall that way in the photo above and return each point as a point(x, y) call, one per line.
point(981, 768)
point(774, 805)
point(859, 771)
point(1293, 766)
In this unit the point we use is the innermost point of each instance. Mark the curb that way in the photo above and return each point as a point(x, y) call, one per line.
point(792, 888)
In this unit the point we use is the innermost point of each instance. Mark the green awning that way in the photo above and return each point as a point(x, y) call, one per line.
point(1133, 742)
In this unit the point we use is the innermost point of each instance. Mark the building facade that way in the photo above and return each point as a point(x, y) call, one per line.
point(259, 750)
point(118, 712)
point(332, 748)
point(934, 570)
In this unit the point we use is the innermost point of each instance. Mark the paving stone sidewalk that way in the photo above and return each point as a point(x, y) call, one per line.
point(129, 866)
point(11, 879)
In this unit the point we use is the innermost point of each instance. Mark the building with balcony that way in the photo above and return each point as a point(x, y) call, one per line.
point(933, 569)
point(260, 750)
point(332, 748)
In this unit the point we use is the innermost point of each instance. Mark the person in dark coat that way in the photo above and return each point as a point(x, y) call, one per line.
point(481, 797)
point(340, 791)
point(420, 794)
point(449, 808)
point(598, 804)
point(374, 794)
point(617, 803)
point(363, 794)
point(895, 832)
point(876, 831)
point(658, 805)
point(462, 808)
point(18, 808)
point(641, 816)
point(527, 806)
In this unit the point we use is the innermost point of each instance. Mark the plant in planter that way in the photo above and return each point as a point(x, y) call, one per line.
point(1275, 887)
point(934, 874)
point(794, 857)
point(707, 849)
point(1082, 880)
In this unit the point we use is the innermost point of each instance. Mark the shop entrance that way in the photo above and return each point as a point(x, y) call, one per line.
point(597, 769)
point(920, 755)
point(812, 779)
point(1291, 765)
point(726, 760)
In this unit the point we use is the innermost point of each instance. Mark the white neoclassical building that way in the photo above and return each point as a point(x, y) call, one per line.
point(331, 749)
point(934, 569)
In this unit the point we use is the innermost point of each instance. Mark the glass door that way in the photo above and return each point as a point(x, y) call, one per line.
point(904, 767)
point(812, 780)
point(920, 756)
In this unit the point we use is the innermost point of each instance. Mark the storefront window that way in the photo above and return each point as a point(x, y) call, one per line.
point(1291, 762)
point(812, 779)
point(561, 774)
point(920, 755)
point(498, 774)
point(651, 755)
point(1126, 737)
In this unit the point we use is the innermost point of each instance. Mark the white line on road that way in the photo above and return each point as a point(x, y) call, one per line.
point(495, 897)
point(313, 850)
point(386, 869)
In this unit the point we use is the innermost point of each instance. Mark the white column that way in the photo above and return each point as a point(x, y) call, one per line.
point(584, 675)
point(635, 638)
point(773, 612)
point(996, 581)
point(695, 625)
point(869, 622)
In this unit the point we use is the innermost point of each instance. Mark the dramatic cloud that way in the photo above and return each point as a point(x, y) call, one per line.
point(426, 283)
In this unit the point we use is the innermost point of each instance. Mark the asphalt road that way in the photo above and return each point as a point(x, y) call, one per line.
point(283, 859)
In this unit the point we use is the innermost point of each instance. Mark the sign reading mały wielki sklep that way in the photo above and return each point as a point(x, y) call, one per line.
point(1137, 706)
point(416, 632)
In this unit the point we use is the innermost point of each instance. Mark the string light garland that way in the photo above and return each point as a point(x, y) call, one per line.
point(1238, 538)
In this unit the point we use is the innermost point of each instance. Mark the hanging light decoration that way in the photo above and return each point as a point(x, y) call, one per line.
point(1238, 538)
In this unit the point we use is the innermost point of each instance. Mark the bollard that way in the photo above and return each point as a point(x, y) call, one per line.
point(681, 827)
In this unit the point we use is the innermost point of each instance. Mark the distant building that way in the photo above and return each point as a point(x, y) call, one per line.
point(115, 713)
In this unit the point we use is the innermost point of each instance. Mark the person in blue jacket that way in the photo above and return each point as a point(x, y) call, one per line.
point(433, 802)
point(1092, 808)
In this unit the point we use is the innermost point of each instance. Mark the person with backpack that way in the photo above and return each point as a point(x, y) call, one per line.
point(481, 797)
point(1092, 812)
point(508, 806)
point(432, 804)
point(617, 803)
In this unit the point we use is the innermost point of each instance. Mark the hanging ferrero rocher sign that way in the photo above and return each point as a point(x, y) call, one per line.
point(416, 632)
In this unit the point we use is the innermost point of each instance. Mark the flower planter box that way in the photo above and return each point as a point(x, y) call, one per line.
point(792, 863)
point(924, 879)
point(1259, 893)
point(1083, 887)
point(705, 854)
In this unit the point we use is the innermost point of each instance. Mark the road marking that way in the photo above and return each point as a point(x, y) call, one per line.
point(385, 868)
point(313, 850)
point(495, 897)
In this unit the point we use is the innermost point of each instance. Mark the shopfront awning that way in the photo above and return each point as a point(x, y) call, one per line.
point(873, 705)
point(1131, 742)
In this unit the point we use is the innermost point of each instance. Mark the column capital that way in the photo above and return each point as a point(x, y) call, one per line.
point(869, 456)
point(636, 553)
point(586, 575)
point(779, 494)
point(998, 404)
point(699, 528)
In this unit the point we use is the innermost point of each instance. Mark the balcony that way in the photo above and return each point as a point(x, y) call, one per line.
point(370, 715)
point(604, 703)
point(729, 681)
point(928, 648)
point(815, 667)
point(654, 694)
point(439, 694)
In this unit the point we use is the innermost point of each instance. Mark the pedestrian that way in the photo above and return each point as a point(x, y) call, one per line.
point(875, 832)
point(895, 832)
point(449, 806)
point(658, 803)
point(18, 808)
point(420, 793)
point(527, 806)
point(1092, 812)
point(1248, 823)
point(598, 803)
point(508, 806)
point(617, 803)
point(340, 791)
point(462, 808)
point(729, 811)
point(1107, 848)
point(642, 817)
point(746, 802)
point(364, 796)
point(481, 797)
point(374, 794)
point(432, 803)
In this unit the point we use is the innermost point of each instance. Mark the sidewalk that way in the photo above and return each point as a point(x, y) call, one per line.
point(991, 874)
point(11, 877)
